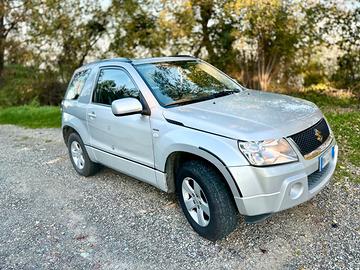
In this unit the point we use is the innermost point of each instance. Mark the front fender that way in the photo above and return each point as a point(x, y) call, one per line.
point(184, 139)
point(219, 151)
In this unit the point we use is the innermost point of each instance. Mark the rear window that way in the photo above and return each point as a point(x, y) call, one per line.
point(77, 84)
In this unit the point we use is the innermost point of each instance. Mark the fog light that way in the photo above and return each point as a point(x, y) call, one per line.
point(296, 190)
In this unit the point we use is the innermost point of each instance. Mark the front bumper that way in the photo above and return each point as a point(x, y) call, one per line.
point(276, 188)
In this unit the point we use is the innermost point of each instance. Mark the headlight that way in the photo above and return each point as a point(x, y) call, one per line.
point(268, 152)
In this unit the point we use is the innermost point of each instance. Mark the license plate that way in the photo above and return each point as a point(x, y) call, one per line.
point(325, 158)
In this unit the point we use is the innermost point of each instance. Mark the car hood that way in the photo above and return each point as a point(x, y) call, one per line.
point(249, 115)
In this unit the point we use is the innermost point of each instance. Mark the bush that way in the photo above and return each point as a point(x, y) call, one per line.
point(50, 91)
point(22, 85)
point(347, 75)
point(314, 74)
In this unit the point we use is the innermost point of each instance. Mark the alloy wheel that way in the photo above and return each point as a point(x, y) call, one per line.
point(195, 201)
point(77, 155)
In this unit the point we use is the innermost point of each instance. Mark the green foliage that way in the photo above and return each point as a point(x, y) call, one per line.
point(18, 53)
point(255, 41)
point(275, 32)
point(314, 74)
point(12, 15)
point(17, 87)
point(345, 23)
point(136, 29)
point(23, 85)
point(31, 116)
point(70, 28)
point(347, 76)
point(267, 44)
point(346, 127)
point(324, 99)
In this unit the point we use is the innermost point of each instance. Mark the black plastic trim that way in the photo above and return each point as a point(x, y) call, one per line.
point(130, 113)
point(182, 125)
point(223, 163)
point(175, 122)
point(128, 159)
point(182, 55)
point(257, 219)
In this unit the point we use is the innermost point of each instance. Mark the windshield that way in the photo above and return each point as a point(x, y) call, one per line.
point(184, 82)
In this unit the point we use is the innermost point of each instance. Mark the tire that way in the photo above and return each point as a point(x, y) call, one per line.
point(214, 197)
point(83, 166)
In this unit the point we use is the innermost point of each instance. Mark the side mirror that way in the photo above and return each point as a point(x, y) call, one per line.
point(126, 106)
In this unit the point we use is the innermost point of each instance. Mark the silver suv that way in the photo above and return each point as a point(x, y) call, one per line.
point(182, 125)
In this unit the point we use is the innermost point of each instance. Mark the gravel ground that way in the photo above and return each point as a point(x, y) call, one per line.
point(52, 218)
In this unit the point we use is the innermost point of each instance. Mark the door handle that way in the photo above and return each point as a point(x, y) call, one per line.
point(92, 115)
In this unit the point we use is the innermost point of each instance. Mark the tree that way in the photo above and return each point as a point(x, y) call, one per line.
point(343, 25)
point(150, 28)
point(12, 14)
point(202, 28)
point(271, 36)
point(67, 31)
point(255, 41)
point(136, 31)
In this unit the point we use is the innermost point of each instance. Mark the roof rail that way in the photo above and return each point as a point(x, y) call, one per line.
point(183, 55)
point(118, 59)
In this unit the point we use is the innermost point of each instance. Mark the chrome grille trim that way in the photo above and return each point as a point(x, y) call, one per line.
point(320, 149)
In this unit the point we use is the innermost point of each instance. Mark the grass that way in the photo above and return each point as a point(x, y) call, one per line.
point(346, 127)
point(31, 116)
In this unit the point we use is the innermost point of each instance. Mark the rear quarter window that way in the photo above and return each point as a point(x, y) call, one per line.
point(77, 84)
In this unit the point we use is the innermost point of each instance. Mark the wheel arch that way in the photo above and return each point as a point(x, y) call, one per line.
point(66, 131)
point(176, 158)
point(71, 124)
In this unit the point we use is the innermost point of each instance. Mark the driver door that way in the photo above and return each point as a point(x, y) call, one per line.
point(121, 142)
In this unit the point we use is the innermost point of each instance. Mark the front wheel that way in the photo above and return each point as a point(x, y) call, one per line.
point(205, 200)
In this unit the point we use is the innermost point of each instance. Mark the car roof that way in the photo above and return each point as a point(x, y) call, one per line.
point(162, 59)
point(139, 61)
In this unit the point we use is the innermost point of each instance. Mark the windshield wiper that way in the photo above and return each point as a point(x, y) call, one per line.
point(223, 93)
point(189, 101)
point(179, 102)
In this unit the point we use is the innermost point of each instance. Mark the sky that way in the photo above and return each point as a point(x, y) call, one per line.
point(105, 3)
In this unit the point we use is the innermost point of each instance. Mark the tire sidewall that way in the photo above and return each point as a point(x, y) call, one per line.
point(200, 179)
point(75, 137)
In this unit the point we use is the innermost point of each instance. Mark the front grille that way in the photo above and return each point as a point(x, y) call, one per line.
point(310, 139)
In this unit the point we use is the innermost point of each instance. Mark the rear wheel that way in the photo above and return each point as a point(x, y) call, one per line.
point(205, 200)
point(79, 157)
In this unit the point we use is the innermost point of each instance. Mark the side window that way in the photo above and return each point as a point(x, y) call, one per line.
point(77, 84)
point(114, 84)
